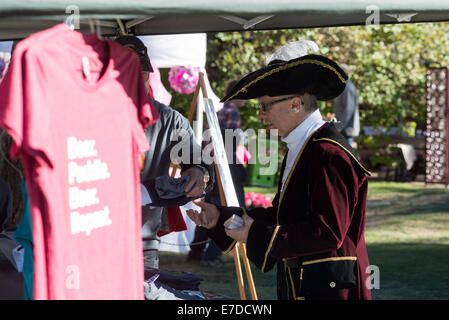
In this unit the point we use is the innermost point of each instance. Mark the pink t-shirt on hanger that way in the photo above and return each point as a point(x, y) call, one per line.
point(76, 108)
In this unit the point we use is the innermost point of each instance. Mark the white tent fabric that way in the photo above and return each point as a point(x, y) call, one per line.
point(168, 51)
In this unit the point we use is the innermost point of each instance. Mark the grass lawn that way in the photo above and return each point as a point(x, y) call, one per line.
point(407, 236)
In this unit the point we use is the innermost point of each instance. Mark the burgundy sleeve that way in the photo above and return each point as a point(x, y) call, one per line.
point(12, 102)
point(333, 186)
point(218, 234)
point(142, 113)
point(147, 112)
point(143, 103)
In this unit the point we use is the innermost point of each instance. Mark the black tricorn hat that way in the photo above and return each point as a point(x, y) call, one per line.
point(312, 74)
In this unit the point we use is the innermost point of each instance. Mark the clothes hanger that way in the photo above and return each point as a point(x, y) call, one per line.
point(70, 23)
point(9, 162)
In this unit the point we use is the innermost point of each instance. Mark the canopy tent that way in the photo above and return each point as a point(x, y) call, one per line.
point(20, 18)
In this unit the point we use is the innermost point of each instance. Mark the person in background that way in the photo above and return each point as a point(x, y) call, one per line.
point(157, 159)
point(346, 109)
point(229, 119)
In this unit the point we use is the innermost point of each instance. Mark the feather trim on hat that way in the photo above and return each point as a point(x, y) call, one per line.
point(293, 50)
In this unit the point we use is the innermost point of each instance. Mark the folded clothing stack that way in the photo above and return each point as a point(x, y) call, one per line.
point(165, 285)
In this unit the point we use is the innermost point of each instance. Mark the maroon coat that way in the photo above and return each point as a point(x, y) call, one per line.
point(315, 229)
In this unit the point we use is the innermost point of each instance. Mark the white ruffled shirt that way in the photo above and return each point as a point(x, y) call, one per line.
point(296, 139)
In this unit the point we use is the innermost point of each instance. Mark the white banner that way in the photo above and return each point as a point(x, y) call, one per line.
point(166, 51)
point(220, 155)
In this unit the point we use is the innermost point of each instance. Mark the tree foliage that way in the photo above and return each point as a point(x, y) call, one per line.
point(388, 66)
point(388, 63)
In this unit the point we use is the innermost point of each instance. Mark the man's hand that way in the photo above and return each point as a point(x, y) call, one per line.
point(208, 216)
point(196, 185)
point(241, 234)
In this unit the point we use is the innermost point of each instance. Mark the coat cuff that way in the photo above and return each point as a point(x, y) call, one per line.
point(218, 233)
point(261, 237)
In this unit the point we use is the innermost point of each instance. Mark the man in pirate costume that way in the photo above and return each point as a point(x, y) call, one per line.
point(315, 230)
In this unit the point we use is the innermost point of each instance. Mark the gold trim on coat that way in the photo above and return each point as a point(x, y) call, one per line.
point(229, 249)
point(287, 181)
point(305, 263)
point(292, 283)
point(276, 230)
point(235, 241)
point(347, 151)
point(284, 187)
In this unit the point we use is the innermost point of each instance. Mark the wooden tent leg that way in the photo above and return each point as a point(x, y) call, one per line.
point(238, 270)
point(249, 275)
point(174, 169)
point(235, 251)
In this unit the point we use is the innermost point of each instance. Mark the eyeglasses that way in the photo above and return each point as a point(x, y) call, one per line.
point(264, 106)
